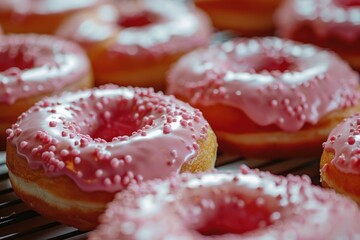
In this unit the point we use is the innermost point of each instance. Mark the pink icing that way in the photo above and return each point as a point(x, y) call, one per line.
point(335, 18)
point(344, 142)
point(34, 64)
point(244, 205)
point(292, 83)
point(106, 138)
point(44, 7)
point(167, 27)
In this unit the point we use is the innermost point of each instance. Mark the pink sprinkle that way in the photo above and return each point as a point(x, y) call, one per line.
point(83, 142)
point(139, 178)
point(186, 116)
point(174, 153)
point(79, 174)
point(64, 153)
point(125, 180)
point(274, 103)
point(23, 144)
point(351, 140)
point(114, 162)
point(77, 160)
point(117, 179)
point(244, 169)
point(171, 162)
point(52, 148)
point(61, 165)
point(99, 173)
point(128, 159)
point(107, 181)
point(167, 129)
point(52, 124)
point(75, 152)
point(107, 115)
point(183, 123)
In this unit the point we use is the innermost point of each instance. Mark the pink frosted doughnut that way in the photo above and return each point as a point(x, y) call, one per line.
point(276, 97)
point(333, 24)
point(340, 161)
point(135, 42)
point(40, 16)
point(33, 66)
point(245, 205)
point(80, 148)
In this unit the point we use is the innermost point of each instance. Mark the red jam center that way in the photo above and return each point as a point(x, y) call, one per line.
point(116, 124)
point(138, 20)
point(272, 64)
point(349, 3)
point(236, 217)
point(16, 57)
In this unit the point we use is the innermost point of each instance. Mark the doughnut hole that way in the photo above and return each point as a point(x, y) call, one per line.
point(117, 124)
point(237, 216)
point(270, 64)
point(16, 57)
point(113, 118)
point(140, 19)
point(228, 210)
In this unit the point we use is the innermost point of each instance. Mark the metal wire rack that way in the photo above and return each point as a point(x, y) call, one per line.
point(17, 221)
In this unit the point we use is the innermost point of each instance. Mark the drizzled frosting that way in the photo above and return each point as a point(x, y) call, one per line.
point(245, 205)
point(272, 81)
point(335, 18)
point(344, 142)
point(146, 26)
point(106, 138)
point(34, 64)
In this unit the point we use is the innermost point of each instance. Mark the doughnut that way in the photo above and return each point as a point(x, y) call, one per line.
point(39, 16)
point(332, 24)
point(340, 161)
point(247, 17)
point(267, 97)
point(135, 42)
point(33, 66)
point(248, 204)
point(68, 155)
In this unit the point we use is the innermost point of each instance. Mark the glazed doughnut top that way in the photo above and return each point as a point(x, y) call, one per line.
point(106, 138)
point(344, 142)
point(150, 27)
point(36, 64)
point(335, 18)
point(247, 205)
point(292, 83)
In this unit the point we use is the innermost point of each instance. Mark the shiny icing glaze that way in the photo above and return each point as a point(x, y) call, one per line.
point(44, 7)
point(327, 18)
point(292, 83)
point(35, 64)
point(152, 27)
point(244, 205)
point(106, 138)
point(344, 142)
